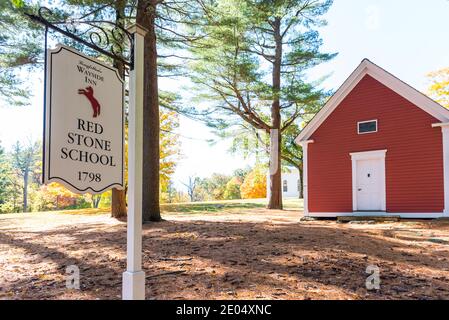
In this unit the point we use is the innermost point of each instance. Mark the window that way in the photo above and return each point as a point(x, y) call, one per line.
point(285, 186)
point(367, 126)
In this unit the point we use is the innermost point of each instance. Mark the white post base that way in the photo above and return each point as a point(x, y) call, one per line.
point(133, 287)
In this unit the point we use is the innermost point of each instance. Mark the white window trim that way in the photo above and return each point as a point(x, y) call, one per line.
point(369, 155)
point(361, 122)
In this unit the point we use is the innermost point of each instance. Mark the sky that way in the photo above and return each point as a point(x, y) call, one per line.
point(406, 37)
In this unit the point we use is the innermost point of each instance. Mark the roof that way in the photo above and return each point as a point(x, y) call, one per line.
point(367, 67)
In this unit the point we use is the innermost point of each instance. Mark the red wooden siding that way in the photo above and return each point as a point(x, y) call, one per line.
point(414, 161)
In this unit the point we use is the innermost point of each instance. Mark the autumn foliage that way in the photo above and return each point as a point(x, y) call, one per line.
point(255, 184)
point(232, 190)
point(439, 88)
point(169, 147)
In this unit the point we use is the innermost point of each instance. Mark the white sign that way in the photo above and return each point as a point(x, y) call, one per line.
point(84, 125)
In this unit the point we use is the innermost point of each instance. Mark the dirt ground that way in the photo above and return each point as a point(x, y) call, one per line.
point(249, 254)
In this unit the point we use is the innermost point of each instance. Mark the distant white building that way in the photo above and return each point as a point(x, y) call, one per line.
point(291, 183)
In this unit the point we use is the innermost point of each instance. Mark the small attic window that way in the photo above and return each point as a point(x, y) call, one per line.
point(364, 127)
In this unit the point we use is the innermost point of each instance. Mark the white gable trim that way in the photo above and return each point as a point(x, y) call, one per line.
point(387, 79)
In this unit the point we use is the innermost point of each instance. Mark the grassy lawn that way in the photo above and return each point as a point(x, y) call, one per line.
point(220, 207)
point(228, 206)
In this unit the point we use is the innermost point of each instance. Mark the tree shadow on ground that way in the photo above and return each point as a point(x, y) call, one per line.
point(315, 255)
point(44, 257)
point(232, 260)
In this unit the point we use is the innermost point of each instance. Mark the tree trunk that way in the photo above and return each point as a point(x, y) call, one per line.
point(96, 199)
point(301, 183)
point(25, 191)
point(14, 200)
point(118, 201)
point(275, 201)
point(150, 187)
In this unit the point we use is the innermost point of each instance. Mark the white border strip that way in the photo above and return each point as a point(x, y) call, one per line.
point(407, 215)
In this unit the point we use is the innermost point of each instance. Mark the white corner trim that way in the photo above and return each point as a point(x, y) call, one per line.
point(445, 132)
point(404, 215)
point(305, 174)
point(366, 67)
point(369, 155)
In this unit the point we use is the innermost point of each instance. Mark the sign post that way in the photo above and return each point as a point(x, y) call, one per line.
point(84, 122)
point(134, 278)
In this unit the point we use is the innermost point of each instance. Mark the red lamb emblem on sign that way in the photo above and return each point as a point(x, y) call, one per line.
point(89, 93)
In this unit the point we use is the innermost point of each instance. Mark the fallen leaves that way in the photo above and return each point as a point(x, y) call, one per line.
point(259, 255)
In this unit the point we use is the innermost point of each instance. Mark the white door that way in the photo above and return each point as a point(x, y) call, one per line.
point(369, 185)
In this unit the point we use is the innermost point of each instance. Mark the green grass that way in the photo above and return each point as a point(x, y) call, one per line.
point(293, 204)
point(212, 206)
point(87, 211)
point(225, 206)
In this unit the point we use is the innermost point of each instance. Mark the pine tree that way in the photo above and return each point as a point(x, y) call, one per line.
point(251, 63)
point(20, 47)
point(162, 19)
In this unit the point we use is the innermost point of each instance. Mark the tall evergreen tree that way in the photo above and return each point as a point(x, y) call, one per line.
point(162, 19)
point(252, 62)
point(20, 47)
point(146, 15)
point(118, 201)
point(165, 22)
